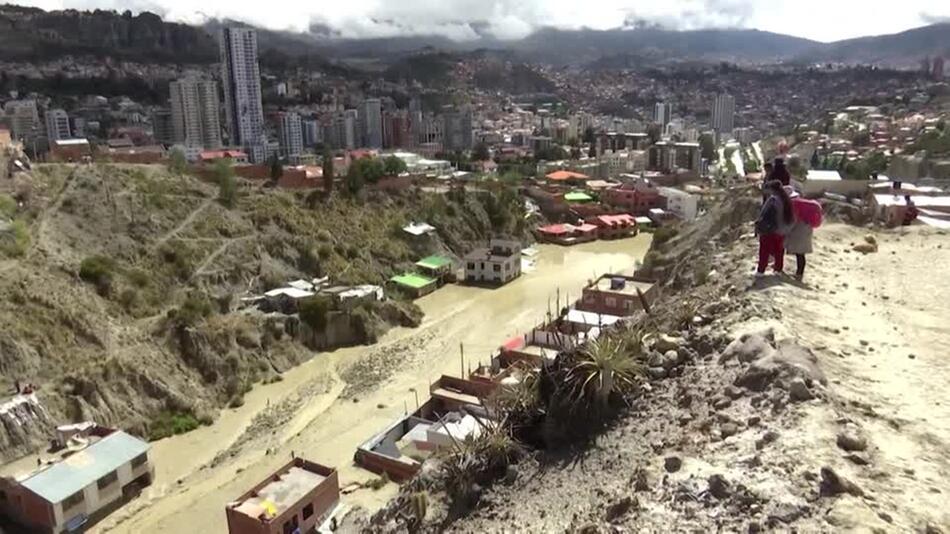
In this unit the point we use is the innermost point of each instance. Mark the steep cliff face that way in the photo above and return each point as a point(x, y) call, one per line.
point(34, 34)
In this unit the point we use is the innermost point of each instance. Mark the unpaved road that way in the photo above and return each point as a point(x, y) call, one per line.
point(189, 494)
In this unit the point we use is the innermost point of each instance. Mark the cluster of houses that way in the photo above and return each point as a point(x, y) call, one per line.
point(587, 209)
point(456, 407)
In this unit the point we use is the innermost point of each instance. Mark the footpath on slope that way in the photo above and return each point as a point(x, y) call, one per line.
point(816, 406)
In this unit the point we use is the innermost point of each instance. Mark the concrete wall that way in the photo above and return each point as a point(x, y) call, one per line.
point(811, 188)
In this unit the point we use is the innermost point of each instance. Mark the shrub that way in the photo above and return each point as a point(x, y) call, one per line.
point(18, 241)
point(171, 424)
point(604, 367)
point(7, 206)
point(98, 271)
point(664, 234)
point(314, 311)
point(195, 308)
point(129, 299)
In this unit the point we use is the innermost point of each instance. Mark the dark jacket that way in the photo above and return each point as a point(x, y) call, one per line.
point(771, 218)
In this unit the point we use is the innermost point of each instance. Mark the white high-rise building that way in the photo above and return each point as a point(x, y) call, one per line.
point(194, 108)
point(663, 113)
point(723, 113)
point(241, 76)
point(290, 135)
point(57, 125)
point(372, 123)
point(23, 117)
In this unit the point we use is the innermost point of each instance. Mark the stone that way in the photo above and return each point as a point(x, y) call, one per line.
point(656, 373)
point(864, 342)
point(511, 474)
point(655, 359)
point(672, 464)
point(753, 421)
point(798, 391)
point(733, 392)
point(619, 509)
point(851, 441)
point(930, 528)
point(768, 437)
point(728, 429)
point(666, 342)
point(719, 487)
point(858, 459)
point(722, 403)
point(749, 347)
point(670, 359)
point(641, 480)
point(834, 484)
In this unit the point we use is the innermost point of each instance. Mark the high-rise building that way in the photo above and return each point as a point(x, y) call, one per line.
point(57, 125)
point(312, 132)
point(372, 121)
point(457, 132)
point(194, 111)
point(241, 76)
point(163, 127)
point(663, 113)
point(723, 113)
point(396, 129)
point(350, 130)
point(290, 135)
point(23, 117)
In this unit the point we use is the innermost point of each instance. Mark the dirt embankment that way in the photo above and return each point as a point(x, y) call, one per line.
point(121, 305)
point(779, 405)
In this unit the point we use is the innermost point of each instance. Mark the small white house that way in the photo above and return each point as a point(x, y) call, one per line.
point(682, 204)
point(498, 264)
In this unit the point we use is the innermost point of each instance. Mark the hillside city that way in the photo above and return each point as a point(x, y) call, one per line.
point(468, 290)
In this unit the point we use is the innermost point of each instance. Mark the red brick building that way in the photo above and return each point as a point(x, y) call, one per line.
point(636, 197)
point(613, 294)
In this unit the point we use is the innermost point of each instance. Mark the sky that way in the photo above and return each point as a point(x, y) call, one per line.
point(821, 20)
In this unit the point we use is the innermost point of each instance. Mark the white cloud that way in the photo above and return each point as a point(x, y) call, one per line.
point(509, 19)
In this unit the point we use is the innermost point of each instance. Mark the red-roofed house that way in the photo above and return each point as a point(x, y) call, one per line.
point(614, 226)
point(567, 177)
point(567, 234)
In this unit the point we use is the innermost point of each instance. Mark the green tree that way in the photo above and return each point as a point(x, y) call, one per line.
point(176, 161)
point(708, 147)
point(480, 152)
point(394, 166)
point(328, 172)
point(98, 271)
point(276, 169)
point(314, 312)
point(369, 170)
point(815, 161)
point(227, 183)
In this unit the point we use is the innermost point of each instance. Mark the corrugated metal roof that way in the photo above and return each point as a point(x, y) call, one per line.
point(85, 467)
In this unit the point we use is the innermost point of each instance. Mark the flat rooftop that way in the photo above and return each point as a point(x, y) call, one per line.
point(279, 495)
point(629, 286)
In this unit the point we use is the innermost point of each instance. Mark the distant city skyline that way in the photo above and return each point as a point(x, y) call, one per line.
point(464, 20)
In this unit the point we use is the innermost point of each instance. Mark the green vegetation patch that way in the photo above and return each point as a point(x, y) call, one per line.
point(168, 424)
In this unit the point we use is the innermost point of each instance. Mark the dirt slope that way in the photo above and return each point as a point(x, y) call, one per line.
point(813, 407)
point(154, 328)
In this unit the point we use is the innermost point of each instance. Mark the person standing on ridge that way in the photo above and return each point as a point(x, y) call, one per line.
point(774, 219)
point(808, 216)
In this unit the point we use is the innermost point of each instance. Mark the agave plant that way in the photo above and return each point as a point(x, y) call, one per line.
point(604, 366)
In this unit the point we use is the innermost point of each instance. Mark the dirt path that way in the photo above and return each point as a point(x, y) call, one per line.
point(329, 425)
point(185, 223)
point(881, 321)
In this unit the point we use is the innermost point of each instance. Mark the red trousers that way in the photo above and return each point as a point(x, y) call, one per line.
point(772, 245)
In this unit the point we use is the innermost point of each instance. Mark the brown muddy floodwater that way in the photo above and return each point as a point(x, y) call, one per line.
point(325, 408)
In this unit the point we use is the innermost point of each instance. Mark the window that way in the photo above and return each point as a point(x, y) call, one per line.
point(471, 266)
point(73, 500)
point(507, 266)
point(611, 302)
point(108, 480)
point(307, 511)
point(496, 268)
point(291, 525)
point(139, 460)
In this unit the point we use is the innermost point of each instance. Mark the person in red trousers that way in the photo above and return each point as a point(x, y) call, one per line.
point(774, 220)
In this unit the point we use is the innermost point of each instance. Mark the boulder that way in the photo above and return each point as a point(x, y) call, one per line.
point(719, 487)
point(789, 361)
point(672, 464)
point(798, 390)
point(728, 429)
point(667, 342)
point(834, 484)
point(851, 441)
point(619, 508)
point(749, 347)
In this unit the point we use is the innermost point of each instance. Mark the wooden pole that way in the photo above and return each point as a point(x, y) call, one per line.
point(462, 356)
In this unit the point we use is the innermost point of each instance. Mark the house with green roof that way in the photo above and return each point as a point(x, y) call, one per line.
point(413, 284)
point(435, 266)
